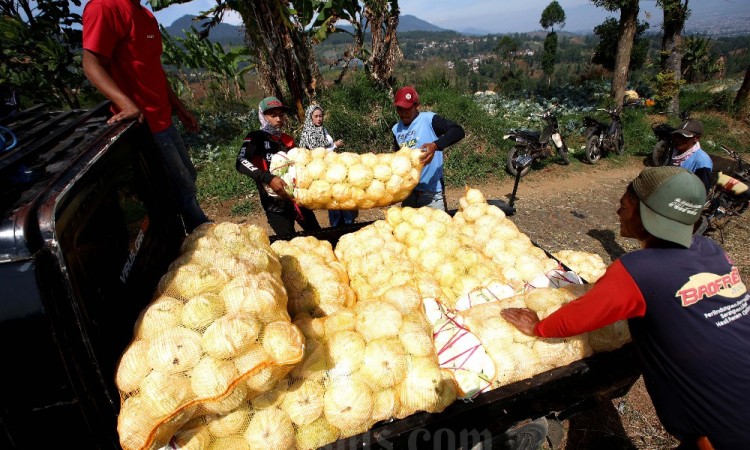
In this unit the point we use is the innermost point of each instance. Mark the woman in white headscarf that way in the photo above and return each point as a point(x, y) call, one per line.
point(315, 135)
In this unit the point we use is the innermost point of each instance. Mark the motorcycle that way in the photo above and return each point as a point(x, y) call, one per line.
point(536, 145)
point(603, 137)
point(721, 204)
point(662, 152)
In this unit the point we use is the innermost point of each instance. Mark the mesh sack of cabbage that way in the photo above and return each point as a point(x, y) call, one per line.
point(518, 356)
point(216, 334)
point(316, 282)
point(589, 266)
point(459, 351)
point(364, 364)
point(284, 168)
point(330, 180)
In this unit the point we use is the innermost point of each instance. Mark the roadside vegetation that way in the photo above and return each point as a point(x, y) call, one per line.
point(488, 84)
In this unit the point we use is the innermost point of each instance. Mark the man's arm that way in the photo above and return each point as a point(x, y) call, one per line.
point(615, 296)
point(448, 132)
point(185, 115)
point(94, 67)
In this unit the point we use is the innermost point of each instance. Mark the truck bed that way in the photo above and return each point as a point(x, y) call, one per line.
point(557, 394)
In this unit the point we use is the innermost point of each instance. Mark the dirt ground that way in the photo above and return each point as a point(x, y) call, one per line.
point(573, 207)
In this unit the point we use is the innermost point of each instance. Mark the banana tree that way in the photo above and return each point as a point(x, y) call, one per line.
point(217, 70)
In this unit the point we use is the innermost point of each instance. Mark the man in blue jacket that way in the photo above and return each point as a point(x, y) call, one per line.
point(431, 133)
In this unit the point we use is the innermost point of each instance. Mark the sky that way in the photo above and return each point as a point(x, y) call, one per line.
point(491, 16)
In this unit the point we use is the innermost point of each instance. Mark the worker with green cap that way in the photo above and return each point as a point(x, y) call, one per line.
point(687, 310)
point(254, 160)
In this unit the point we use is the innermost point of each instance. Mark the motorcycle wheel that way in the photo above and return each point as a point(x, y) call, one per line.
point(563, 152)
point(701, 226)
point(593, 151)
point(733, 209)
point(515, 152)
point(660, 154)
point(618, 140)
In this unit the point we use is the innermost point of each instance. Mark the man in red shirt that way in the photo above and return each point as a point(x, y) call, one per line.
point(122, 58)
point(687, 308)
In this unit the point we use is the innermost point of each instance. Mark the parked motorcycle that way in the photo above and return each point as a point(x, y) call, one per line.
point(601, 137)
point(721, 204)
point(662, 152)
point(535, 144)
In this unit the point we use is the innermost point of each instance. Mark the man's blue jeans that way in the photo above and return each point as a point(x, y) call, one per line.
point(182, 175)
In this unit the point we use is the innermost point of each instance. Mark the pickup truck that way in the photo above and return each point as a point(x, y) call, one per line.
point(88, 227)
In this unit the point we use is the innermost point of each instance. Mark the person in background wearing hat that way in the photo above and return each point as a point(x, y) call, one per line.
point(686, 306)
point(688, 153)
point(122, 58)
point(431, 133)
point(254, 160)
point(316, 135)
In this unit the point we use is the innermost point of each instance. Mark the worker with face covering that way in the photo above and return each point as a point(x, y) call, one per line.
point(315, 135)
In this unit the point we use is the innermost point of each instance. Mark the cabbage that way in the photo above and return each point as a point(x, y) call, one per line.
point(284, 342)
point(230, 336)
point(202, 310)
point(133, 366)
point(303, 402)
point(377, 319)
point(348, 404)
point(161, 315)
point(165, 393)
point(211, 377)
point(316, 434)
point(384, 363)
point(270, 429)
point(176, 350)
point(346, 351)
point(231, 423)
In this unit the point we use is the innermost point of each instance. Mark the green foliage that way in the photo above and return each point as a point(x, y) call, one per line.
point(219, 72)
point(245, 207)
point(550, 49)
point(552, 15)
point(41, 55)
point(606, 50)
point(698, 62)
point(666, 87)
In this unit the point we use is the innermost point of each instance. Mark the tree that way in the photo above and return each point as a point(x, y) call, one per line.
point(675, 15)
point(41, 51)
point(742, 100)
point(626, 35)
point(548, 57)
point(506, 49)
point(605, 51)
point(552, 14)
point(381, 17)
point(274, 31)
point(698, 63)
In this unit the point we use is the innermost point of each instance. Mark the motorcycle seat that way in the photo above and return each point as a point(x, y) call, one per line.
point(529, 134)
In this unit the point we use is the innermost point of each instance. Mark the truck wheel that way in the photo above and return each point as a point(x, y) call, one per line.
point(529, 436)
point(660, 154)
point(515, 152)
point(593, 150)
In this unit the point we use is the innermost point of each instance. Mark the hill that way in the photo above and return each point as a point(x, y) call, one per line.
point(232, 34)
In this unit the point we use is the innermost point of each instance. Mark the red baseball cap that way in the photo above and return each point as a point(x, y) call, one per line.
point(406, 97)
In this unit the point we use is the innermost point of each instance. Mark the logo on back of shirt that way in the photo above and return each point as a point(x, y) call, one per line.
point(705, 284)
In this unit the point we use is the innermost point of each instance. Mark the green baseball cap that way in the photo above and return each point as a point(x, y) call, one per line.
point(272, 103)
point(671, 200)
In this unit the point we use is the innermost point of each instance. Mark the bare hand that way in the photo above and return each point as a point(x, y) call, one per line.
point(428, 153)
point(279, 187)
point(188, 120)
point(339, 143)
point(522, 318)
point(129, 111)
